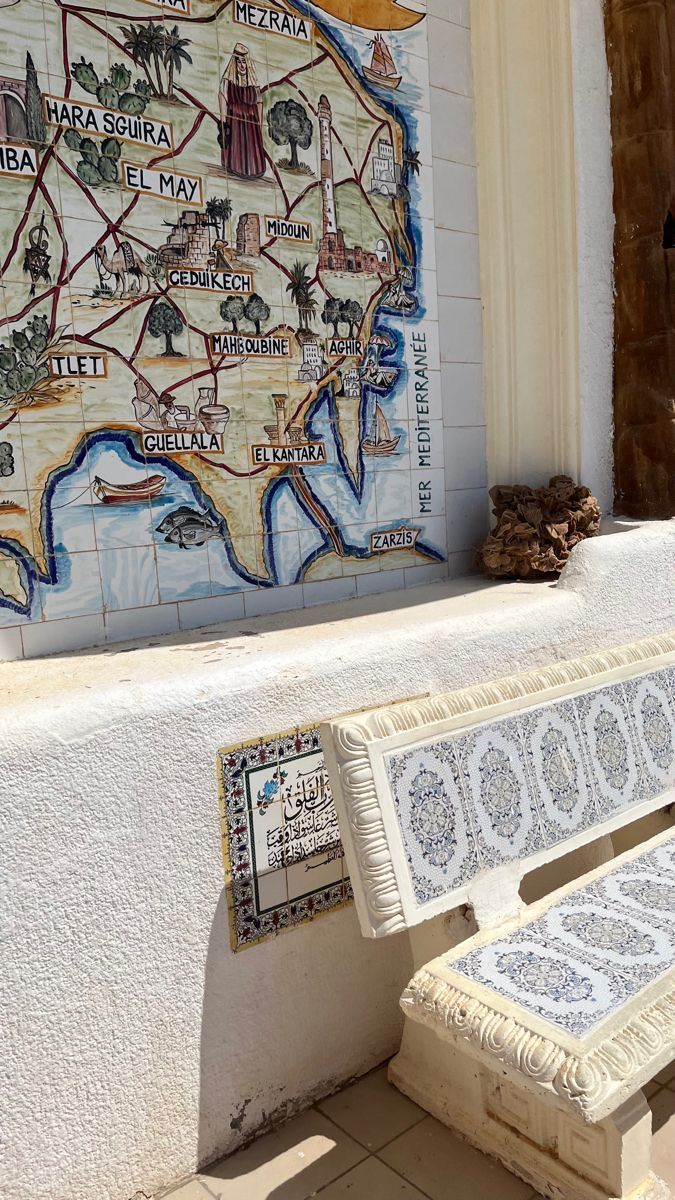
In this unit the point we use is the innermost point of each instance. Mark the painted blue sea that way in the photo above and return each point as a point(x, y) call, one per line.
point(114, 557)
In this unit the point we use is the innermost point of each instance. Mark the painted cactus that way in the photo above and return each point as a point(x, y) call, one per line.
point(99, 162)
point(113, 92)
point(84, 74)
point(22, 361)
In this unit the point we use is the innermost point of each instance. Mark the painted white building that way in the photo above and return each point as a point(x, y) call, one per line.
point(382, 250)
point(312, 358)
point(350, 382)
point(386, 173)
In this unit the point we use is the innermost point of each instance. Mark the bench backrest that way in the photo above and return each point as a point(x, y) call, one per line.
point(451, 799)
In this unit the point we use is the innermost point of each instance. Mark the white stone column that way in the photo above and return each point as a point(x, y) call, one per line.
point(544, 213)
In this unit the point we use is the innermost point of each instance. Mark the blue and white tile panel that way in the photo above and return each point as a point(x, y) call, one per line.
point(508, 788)
point(592, 952)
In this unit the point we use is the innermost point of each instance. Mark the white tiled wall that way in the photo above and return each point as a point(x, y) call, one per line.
point(459, 307)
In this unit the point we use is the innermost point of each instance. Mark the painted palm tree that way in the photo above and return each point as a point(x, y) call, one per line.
point(175, 54)
point(155, 43)
point(301, 293)
point(219, 210)
point(136, 44)
point(411, 161)
point(307, 309)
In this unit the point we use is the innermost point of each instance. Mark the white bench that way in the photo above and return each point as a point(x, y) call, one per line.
point(532, 1038)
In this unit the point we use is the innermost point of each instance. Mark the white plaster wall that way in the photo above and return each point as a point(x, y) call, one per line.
point(595, 237)
point(136, 1044)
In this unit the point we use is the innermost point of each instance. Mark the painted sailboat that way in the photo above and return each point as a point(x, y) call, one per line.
point(379, 440)
point(382, 69)
point(128, 493)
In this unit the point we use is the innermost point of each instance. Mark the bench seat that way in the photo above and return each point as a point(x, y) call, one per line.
point(577, 995)
point(533, 1038)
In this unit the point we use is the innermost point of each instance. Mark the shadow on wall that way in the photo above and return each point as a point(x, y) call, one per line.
point(286, 1022)
point(219, 1049)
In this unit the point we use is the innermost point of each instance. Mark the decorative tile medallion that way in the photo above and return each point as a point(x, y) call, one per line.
point(499, 792)
point(507, 788)
point(610, 751)
point(440, 843)
point(587, 955)
point(283, 857)
point(651, 707)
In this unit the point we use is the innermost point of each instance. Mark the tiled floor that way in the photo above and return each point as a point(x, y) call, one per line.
point(368, 1142)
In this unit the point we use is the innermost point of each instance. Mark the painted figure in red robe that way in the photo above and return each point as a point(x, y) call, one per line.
point(241, 139)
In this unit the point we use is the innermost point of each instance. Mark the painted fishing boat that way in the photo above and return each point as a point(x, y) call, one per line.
point(128, 493)
point(379, 440)
point(382, 69)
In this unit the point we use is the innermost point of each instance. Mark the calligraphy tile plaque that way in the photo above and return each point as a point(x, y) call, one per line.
point(283, 858)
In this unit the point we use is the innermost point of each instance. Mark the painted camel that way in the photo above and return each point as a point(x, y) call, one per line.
point(125, 266)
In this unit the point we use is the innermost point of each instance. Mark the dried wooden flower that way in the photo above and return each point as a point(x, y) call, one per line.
point(537, 528)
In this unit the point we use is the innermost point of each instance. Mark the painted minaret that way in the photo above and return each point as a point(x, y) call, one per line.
point(327, 192)
point(334, 255)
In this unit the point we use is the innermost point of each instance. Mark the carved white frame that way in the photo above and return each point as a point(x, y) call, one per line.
point(355, 745)
point(593, 1074)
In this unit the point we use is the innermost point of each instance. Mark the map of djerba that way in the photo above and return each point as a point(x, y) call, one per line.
point(218, 347)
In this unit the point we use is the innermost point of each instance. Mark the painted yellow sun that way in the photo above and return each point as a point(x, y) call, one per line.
point(371, 14)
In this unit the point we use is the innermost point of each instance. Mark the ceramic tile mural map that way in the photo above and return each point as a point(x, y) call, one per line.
point(219, 351)
point(283, 857)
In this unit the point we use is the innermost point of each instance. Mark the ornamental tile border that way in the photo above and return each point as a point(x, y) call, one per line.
point(283, 859)
point(425, 832)
point(530, 780)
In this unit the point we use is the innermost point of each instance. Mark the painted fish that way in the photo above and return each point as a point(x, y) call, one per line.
point(174, 518)
point(185, 527)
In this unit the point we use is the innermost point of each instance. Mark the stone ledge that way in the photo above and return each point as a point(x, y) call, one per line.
point(364, 652)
